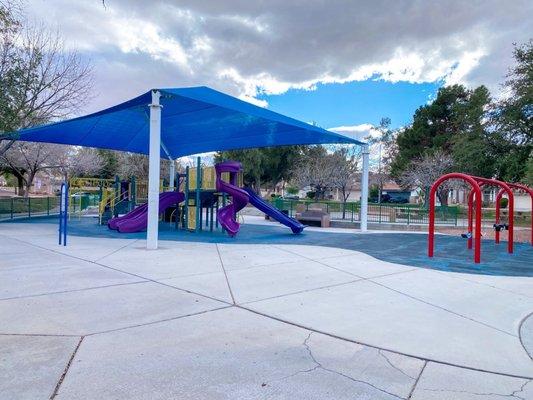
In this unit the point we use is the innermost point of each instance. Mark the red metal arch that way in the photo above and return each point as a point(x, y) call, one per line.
point(477, 191)
point(505, 188)
point(519, 186)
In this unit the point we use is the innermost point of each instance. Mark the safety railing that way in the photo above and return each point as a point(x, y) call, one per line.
point(28, 207)
point(80, 202)
point(404, 214)
point(110, 200)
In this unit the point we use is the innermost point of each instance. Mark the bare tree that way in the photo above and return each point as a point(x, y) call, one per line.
point(79, 161)
point(325, 171)
point(343, 165)
point(134, 164)
point(386, 143)
point(314, 170)
point(424, 171)
point(39, 80)
point(25, 160)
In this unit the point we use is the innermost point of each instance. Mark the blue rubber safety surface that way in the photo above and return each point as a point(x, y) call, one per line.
point(451, 253)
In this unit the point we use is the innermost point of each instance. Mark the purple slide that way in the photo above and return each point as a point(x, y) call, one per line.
point(273, 212)
point(112, 223)
point(226, 215)
point(137, 220)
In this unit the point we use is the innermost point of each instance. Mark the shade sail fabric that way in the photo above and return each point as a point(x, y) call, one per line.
point(193, 120)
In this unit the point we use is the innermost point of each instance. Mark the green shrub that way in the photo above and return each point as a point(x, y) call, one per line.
point(310, 195)
point(504, 202)
point(374, 191)
point(292, 190)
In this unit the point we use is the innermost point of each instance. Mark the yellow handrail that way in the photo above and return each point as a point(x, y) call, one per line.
point(103, 204)
point(112, 201)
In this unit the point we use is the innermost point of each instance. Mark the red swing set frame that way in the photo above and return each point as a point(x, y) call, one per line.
point(474, 202)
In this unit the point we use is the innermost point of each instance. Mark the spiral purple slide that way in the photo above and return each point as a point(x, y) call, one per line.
point(226, 215)
point(241, 197)
point(137, 220)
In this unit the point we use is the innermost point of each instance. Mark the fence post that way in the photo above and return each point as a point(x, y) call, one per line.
point(29, 207)
point(380, 213)
point(408, 215)
point(12, 206)
point(47, 205)
point(353, 206)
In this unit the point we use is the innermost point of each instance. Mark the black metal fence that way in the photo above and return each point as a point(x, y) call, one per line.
point(28, 207)
point(404, 214)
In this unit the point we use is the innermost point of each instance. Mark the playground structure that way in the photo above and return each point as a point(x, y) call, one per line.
point(202, 198)
point(195, 188)
point(475, 200)
point(113, 196)
point(205, 192)
point(241, 197)
point(177, 122)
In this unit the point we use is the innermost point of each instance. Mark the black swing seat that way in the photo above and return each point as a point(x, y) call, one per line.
point(499, 227)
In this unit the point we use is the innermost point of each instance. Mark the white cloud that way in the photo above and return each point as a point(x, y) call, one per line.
point(359, 132)
point(246, 48)
point(363, 132)
point(253, 100)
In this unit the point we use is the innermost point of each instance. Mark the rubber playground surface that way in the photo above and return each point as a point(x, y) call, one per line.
point(328, 314)
point(451, 253)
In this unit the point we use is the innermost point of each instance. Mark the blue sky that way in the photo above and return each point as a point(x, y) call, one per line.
point(338, 63)
point(354, 103)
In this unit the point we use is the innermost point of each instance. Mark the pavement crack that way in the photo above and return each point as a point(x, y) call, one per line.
point(513, 395)
point(73, 290)
point(411, 392)
point(440, 307)
point(160, 321)
point(117, 250)
point(341, 374)
point(373, 346)
point(387, 359)
point(122, 271)
point(65, 371)
point(306, 345)
point(300, 292)
point(225, 274)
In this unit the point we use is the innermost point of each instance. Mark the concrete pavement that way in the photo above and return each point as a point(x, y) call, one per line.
point(104, 318)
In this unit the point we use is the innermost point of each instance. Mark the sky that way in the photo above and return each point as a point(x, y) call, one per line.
point(341, 64)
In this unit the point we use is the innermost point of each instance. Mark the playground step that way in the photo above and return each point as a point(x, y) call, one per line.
point(106, 216)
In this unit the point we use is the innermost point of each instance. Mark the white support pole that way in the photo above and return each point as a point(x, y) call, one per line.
point(172, 174)
point(153, 172)
point(364, 190)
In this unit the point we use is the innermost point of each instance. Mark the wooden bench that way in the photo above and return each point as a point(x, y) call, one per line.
point(314, 213)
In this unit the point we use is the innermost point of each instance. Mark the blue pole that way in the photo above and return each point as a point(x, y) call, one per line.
point(63, 214)
point(186, 202)
point(198, 224)
point(65, 217)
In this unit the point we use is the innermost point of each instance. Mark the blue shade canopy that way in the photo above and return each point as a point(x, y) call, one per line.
point(193, 120)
